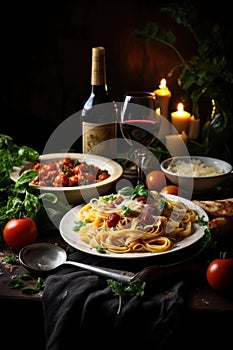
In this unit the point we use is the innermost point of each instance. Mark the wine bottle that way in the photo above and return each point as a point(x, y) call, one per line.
point(99, 113)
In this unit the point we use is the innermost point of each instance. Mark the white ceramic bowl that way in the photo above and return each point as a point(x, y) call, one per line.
point(79, 194)
point(195, 172)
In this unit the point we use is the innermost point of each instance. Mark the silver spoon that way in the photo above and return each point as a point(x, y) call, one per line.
point(46, 257)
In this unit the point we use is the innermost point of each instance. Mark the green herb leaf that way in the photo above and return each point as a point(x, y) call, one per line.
point(25, 277)
point(26, 177)
point(100, 250)
point(11, 259)
point(40, 283)
point(79, 224)
point(30, 289)
point(126, 211)
point(26, 288)
point(110, 197)
point(126, 191)
point(65, 294)
point(125, 290)
point(28, 153)
point(16, 283)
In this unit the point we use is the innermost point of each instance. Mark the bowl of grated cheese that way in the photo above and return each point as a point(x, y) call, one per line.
point(202, 173)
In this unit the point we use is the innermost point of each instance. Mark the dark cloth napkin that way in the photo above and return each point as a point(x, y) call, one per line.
point(80, 308)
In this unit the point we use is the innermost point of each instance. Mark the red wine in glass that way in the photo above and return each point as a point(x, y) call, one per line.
point(140, 124)
point(143, 131)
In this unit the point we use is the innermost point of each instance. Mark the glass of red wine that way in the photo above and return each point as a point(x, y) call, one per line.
point(140, 124)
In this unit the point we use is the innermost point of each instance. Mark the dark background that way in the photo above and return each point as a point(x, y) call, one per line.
point(45, 68)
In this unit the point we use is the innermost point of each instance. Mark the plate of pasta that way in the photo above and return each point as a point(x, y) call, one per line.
point(134, 223)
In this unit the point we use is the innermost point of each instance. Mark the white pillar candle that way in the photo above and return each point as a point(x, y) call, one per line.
point(194, 128)
point(176, 144)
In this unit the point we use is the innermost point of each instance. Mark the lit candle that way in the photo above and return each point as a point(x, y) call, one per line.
point(180, 118)
point(164, 96)
point(194, 127)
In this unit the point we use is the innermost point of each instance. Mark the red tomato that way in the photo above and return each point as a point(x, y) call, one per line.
point(220, 275)
point(18, 233)
point(155, 180)
point(170, 189)
point(113, 219)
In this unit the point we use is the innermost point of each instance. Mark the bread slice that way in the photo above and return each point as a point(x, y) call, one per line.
point(218, 207)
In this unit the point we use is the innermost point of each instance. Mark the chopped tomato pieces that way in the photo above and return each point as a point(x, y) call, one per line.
point(68, 173)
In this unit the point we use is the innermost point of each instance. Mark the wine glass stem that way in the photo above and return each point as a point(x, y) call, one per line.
point(140, 157)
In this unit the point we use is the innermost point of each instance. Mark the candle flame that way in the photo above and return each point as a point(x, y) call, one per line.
point(162, 84)
point(180, 107)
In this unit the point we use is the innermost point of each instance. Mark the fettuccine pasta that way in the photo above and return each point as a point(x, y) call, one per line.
point(121, 224)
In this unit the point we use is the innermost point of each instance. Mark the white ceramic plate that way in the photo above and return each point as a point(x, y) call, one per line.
point(79, 194)
point(71, 237)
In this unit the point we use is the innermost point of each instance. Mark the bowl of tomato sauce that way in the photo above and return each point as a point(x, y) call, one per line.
point(72, 177)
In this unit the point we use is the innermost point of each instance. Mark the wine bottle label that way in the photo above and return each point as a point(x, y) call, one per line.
point(94, 137)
